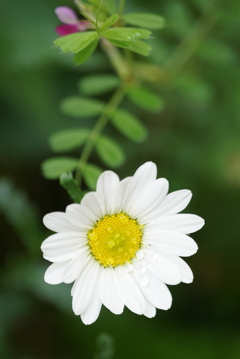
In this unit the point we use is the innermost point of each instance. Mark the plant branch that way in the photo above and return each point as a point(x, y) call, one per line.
point(97, 129)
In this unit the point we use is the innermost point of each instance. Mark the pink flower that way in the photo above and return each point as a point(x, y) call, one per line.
point(70, 20)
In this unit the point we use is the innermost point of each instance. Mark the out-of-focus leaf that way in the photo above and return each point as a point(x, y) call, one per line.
point(98, 84)
point(140, 47)
point(53, 167)
point(91, 174)
point(109, 151)
point(109, 22)
point(146, 99)
point(111, 6)
point(104, 347)
point(76, 42)
point(77, 106)
point(129, 125)
point(66, 140)
point(146, 20)
point(67, 181)
point(22, 216)
point(83, 55)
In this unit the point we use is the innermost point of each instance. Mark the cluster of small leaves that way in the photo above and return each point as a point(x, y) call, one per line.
point(85, 105)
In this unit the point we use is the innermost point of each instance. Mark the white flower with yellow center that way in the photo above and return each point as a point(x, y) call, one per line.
point(122, 244)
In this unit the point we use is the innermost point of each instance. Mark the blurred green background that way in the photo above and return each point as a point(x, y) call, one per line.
point(195, 141)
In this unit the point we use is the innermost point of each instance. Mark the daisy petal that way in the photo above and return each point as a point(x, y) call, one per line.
point(108, 291)
point(94, 202)
point(60, 247)
point(58, 222)
point(81, 216)
point(106, 184)
point(150, 310)
point(129, 291)
point(92, 313)
point(173, 242)
point(84, 287)
point(185, 223)
point(158, 294)
point(66, 15)
point(146, 173)
point(175, 202)
point(55, 272)
point(76, 266)
point(184, 269)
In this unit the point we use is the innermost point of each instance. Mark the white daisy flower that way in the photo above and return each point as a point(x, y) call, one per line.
point(122, 244)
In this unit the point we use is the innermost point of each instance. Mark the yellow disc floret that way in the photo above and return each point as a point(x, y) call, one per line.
point(115, 239)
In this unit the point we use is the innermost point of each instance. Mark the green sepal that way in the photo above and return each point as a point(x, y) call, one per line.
point(77, 106)
point(146, 99)
point(98, 84)
point(83, 55)
point(53, 167)
point(109, 151)
point(109, 22)
point(76, 42)
point(146, 20)
point(66, 181)
point(129, 125)
point(68, 139)
point(140, 47)
point(91, 174)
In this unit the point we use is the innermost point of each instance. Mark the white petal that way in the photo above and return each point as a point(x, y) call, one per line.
point(146, 173)
point(55, 272)
point(184, 269)
point(94, 202)
point(148, 199)
point(81, 216)
point(58, 222)
point(106, 185)
point(108, 291)
point(175, 202)
point(83, 288)
point(158, 293)
point(150, 310)
point(121, 194)
point(164, 269)
point(76, 266)
point(129, 291)
point(62, 246)
point(176, 243)
point(185, 223)
point(92, 313)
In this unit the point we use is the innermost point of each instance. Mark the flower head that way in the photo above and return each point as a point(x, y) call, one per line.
point(122, 244)
point(70, 20)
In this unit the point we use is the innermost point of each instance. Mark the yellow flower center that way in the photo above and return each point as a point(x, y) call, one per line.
point(115, 239)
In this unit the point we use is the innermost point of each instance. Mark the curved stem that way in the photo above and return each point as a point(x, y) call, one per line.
point(121, 7)
point(97, 129)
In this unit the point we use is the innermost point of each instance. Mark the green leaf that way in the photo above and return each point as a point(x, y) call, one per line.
point(77, 106)
point(140, 47)
point(98, 84)
point(66, 140)
point(126, 34)
point(111, 6)
point(67, 182)
point(53, 167)
point(76, 42)
point(146, 99)
point(109, 151)
point(109, 22)
point(146, 20)
point(91, 174)
point(83, 55)
point(129, 125)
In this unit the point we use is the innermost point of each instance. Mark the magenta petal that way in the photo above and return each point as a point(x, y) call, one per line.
point(82, 25)
point(63, 30)
point(66, 15)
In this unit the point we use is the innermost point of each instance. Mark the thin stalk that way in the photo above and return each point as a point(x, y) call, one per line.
point(121, 7)
point(97, 129)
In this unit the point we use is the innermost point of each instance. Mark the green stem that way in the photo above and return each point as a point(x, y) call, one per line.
point(97, 129)
point(121, 7)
